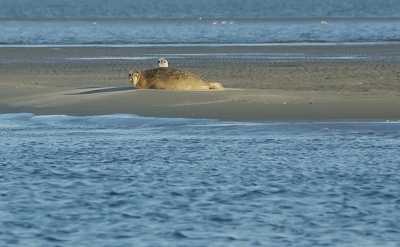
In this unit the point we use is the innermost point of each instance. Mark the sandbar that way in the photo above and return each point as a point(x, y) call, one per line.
point(332, 82)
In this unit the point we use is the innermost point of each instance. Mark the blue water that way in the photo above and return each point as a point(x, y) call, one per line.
point(76, 22)
point(192, 31)
point(195, 8)
point(124, 180)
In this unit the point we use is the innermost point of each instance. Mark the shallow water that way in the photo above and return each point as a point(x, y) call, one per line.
point(124, 180)
point(195, 8)
point(193, 31)
point(76, 22)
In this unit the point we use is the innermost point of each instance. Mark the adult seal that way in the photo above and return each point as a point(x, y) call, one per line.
point(169, 79)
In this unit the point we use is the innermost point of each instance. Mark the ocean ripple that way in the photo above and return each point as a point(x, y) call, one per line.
point(124, 180)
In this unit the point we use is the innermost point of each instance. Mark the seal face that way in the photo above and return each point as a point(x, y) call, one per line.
point(169, 79)
point(162, 63)
point(134, 76)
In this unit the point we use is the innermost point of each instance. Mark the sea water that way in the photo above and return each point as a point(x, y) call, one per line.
point(125, 180)
point(76, 22)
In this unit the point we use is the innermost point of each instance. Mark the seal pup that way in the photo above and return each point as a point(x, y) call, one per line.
point(169, 79)
point(162, 63)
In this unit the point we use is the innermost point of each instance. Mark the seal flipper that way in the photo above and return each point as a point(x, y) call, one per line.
point(215, 85)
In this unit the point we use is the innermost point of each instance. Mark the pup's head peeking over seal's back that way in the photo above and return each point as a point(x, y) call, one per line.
point(134, 76)
point(162, 63)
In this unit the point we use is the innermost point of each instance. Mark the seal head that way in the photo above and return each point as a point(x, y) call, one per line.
point(162, 63)
point(134, 76)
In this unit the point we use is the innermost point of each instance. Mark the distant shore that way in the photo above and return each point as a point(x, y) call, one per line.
point(263, 83)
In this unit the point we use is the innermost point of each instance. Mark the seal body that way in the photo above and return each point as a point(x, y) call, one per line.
point(169, 79)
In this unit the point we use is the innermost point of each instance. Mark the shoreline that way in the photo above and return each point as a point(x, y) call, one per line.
point(228, 105)
point(263, 83)
point(205, 45)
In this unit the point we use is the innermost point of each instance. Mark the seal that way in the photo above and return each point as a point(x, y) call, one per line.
point(162, 63)
point(169, 79)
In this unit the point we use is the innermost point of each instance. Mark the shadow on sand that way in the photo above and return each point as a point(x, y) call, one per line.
point(104, 90)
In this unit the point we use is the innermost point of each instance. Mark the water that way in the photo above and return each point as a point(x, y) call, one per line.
point(77, 22)
point(124, 180)
point(195, 8)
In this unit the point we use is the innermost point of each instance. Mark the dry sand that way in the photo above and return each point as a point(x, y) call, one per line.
point(278, 83)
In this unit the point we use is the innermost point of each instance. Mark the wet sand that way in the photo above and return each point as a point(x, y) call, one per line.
point(276, 83)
